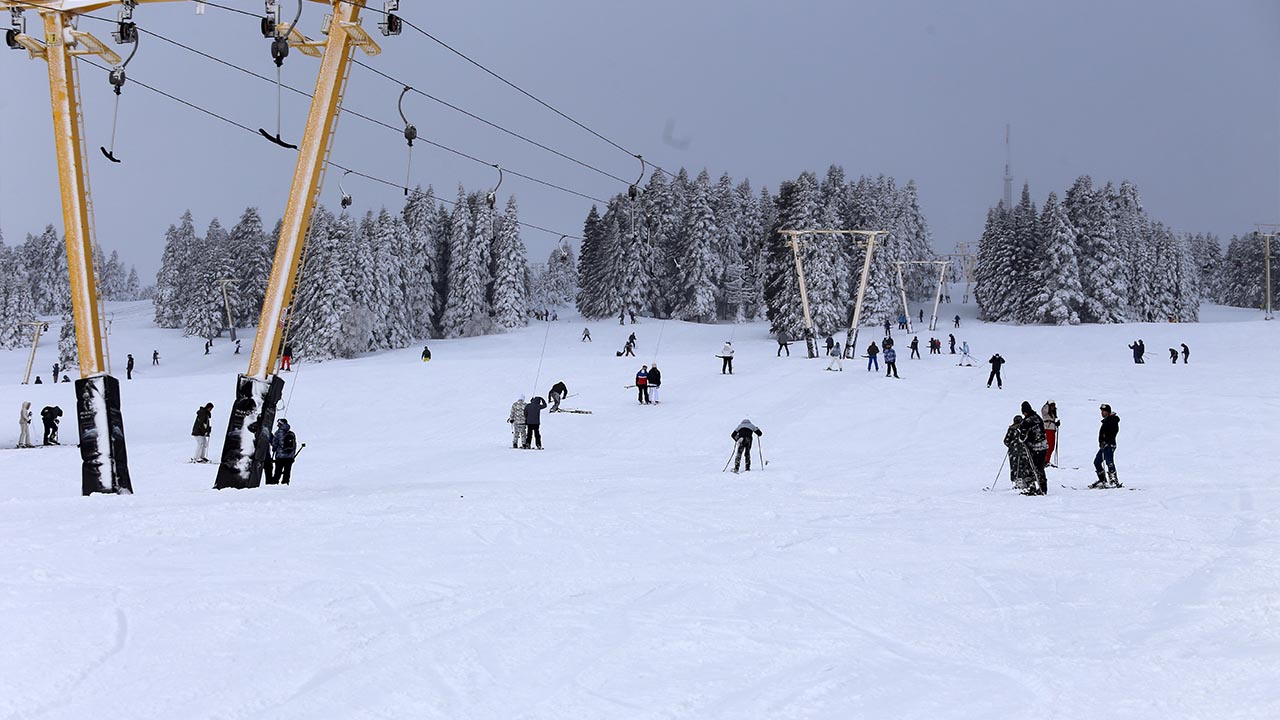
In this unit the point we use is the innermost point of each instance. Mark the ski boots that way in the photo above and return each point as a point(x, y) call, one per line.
point(1100, 483)
point(1113, 481)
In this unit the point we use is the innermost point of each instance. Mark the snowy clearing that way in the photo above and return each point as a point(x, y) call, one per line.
point(419, 567)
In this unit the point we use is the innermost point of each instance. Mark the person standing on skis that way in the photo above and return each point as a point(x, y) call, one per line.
point(642, 385)
point(872, 352)
point(1021, 473)
point(655, 382)
point(516, 419)
point(890, 361)
point(1049, 413)
point(726, 358)
point(915, 348)
point(533, 422)
point(24, 425)
point(837, 361)
point(784, 342)
point(996, 361)
point(1033, 441)
point(743, 436)
point(201, 430)
point(1107, 450)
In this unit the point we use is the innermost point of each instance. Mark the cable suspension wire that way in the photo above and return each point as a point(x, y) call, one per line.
point(330, 163)
point(490, 123)
point(362, 116)
point(512, 85)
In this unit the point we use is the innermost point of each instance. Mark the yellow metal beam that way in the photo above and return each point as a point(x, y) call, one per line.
point(313, 155)
point(68, 135)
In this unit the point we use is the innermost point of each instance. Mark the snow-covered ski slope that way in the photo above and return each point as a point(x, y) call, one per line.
point(420, 568)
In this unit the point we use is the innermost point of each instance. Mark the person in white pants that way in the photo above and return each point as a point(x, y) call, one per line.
point(836, 362)
point(24, 423)
point(200, 430)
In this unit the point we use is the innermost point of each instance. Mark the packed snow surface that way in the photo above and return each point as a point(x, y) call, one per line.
point(418, 567)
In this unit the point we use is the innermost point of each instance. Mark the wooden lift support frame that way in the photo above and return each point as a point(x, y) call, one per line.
point(258, 390)
point(902, 289)
point(1268, 237)
point(38, 327)
point(869, 236)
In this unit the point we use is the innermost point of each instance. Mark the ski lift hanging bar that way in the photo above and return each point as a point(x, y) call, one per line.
point(410, 134)
point(634, 190)
point(270, 27)
point(17, 26)
point(345, 202)
point(126, 32)
point(492, 197)
point(392, 24)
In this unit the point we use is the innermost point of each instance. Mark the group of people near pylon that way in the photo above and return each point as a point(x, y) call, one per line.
point(1031, 439)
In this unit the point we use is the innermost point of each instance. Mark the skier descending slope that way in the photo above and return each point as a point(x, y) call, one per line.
point(1107, 450)
point(516, 418)
point(743, 436)
point(559, 391)
point(1034, 446)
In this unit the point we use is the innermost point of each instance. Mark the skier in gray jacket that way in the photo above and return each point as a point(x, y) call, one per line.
point(743, 436)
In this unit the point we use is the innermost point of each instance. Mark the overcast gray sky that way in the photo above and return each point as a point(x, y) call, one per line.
point(1183, 98)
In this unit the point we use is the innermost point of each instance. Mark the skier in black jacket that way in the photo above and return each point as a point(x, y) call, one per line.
point(558, 392)
point(1107, 449)
point(996, 361)
point(201, 430)
point(533, 421)
point(743, 436)
point(49, 416)
point(655, 383)
point(1033, 439)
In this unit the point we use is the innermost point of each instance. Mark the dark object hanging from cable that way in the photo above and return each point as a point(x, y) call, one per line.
point(391, 23)
point(126, 32)
point(410, 134)
point(634, 191)
point(17, 26)
point(492, 197)
point(279, 51)
point(345, 202)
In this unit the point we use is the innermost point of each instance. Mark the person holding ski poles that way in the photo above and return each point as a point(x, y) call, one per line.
point(872, 352)
point(1049, 413)
point(743, 437)
point(1107, 450)
point(642, 385)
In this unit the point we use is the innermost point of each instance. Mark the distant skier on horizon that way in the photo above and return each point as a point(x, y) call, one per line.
point(957, 317)
point(1186, 353)
point(128, 368)
point(155, 357)
point(586, 335)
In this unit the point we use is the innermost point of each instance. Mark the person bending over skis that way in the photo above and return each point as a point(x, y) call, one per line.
point(744, 435)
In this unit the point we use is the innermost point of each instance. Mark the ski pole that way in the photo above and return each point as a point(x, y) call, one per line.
point(760, 447)
point(730, 460)
point(1000, 471)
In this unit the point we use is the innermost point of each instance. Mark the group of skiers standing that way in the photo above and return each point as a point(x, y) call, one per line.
point(1032, 438)
point(275, 451)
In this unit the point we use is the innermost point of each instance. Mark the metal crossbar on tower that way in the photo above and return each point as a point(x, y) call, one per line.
point(795, 237)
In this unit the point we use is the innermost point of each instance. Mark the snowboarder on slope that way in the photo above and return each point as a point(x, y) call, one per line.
point(24, 423)
point(1034, 443)
point(996, 361)
point(784, 343)
point(872, 352)
point(743, 437)
point(200, 430)
point(1107, 450)
point(642, 385)
point(284, 445)
point(533, 421)
point(558, 392)
point(1049, 413)
point(655, 382)
point(516, 418)
point(726, 358)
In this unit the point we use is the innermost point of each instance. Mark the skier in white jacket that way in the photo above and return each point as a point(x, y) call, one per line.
point(726, 358)
point(516, 418)
point(24, 423)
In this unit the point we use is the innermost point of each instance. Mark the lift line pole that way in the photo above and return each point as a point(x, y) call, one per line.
point(258, 390)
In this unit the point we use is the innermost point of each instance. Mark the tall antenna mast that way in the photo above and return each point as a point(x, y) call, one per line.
point(1008, 176)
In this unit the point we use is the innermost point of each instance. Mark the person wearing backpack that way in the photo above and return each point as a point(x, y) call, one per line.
point(284, 445)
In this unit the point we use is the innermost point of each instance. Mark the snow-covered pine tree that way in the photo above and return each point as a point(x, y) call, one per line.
point(175, 265)
point(132, 286)
point(1133, 239)
point(1060, 296)
point(561, 277)
point(728, 249)
point(751, 249)
point(510, 267)
point(1103, 273)
point(319, 327)
point(1207, 251)
point(68, 353)
point(418, 269)
point(696, 285)
point(632, 261)
point(1028, 259)
point(45, 258)
point(1189, 289)
point(16, 305)
point(827, 258)
point(203, 311)
point(917, 245)
point(251, 253)
point(662, 224)
point(591, 267)
point(993, 271)
point(388, 300)
point(466, 313)
point(782, 289)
